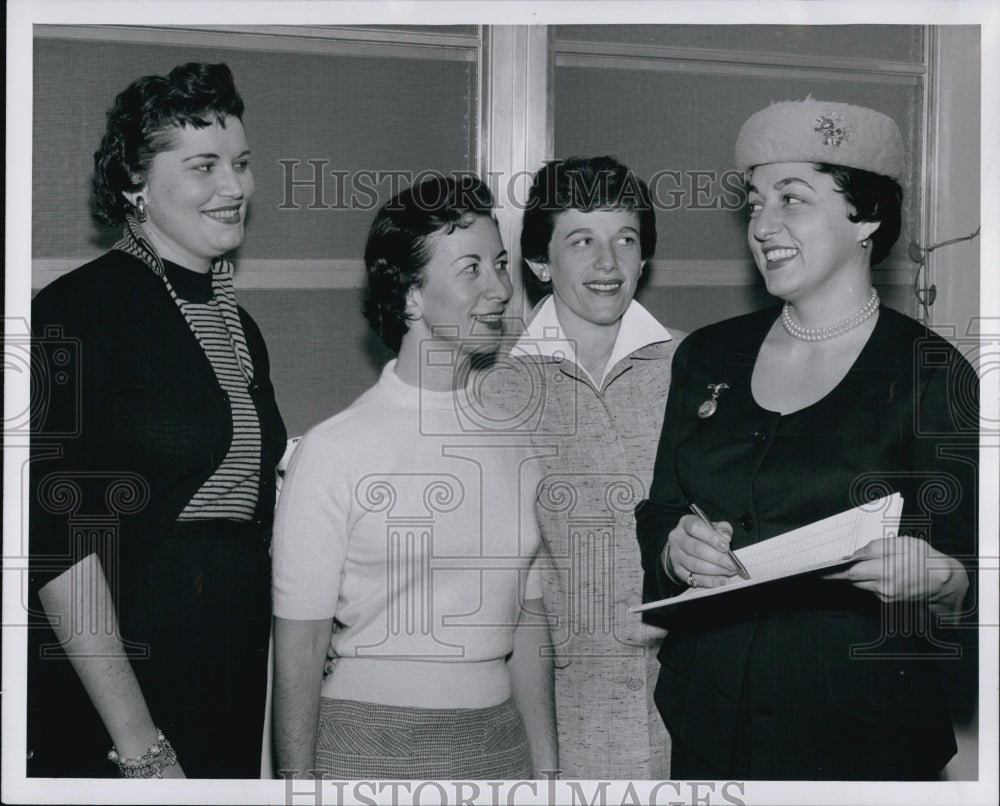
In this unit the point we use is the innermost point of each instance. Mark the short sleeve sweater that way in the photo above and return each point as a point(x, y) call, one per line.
point(411, 523)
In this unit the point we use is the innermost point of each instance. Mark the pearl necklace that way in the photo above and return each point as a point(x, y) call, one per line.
point(823, 333)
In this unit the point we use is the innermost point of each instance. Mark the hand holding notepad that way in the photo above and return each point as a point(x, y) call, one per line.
point(819, 545)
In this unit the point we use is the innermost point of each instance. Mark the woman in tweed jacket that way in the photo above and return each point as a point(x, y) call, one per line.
point(588, 380)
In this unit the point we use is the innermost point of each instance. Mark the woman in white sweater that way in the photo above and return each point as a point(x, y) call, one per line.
point(406, 535)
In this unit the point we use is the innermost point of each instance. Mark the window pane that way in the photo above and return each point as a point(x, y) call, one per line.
point(676, 123)
point(349, 113)
point(903, 43)
point(678, 131)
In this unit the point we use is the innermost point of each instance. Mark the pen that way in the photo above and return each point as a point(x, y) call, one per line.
point(736, 560)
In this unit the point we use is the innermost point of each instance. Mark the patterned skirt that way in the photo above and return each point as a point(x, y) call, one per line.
point(363, 740)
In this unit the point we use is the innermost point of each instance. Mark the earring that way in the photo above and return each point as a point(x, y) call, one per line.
point(866, 243)
point(140, 209)
point(545, 277)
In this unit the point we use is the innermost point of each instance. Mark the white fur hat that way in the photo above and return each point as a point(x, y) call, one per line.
point(822, 131)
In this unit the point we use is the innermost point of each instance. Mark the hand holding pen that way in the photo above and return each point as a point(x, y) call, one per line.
point(698, 553)
point(740, 568)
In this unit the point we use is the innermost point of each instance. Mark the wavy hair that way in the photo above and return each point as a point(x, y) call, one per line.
point(581, 183)
point(142, 122)
point(397, 249)
point(874, 198)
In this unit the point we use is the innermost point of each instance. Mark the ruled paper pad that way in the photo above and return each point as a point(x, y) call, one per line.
point(819, 545)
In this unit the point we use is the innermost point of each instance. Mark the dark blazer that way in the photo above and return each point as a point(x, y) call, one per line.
point(129, 420)
point(123, 385)
point(806, 678)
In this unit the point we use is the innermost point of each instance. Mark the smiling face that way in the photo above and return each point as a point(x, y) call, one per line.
point(465, 290)
point(594, 263)
point(800, 234)
point(196, 194)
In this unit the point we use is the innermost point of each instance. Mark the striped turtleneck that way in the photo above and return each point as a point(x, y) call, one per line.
point(230, 493)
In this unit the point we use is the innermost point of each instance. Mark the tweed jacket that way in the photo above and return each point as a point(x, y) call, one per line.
point(597, 447)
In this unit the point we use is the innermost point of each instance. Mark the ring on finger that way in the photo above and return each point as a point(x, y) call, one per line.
point(691, 580)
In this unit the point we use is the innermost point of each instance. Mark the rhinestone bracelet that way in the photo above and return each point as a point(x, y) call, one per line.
point(150, 764)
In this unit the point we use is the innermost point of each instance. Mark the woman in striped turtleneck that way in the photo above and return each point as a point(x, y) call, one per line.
point(168, 433)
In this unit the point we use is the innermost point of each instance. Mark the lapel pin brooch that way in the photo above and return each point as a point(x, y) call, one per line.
point(707, 409)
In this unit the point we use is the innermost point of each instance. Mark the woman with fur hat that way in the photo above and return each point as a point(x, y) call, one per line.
point(782, 417)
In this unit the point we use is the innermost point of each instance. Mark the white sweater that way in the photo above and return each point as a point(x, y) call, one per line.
point(411, 520)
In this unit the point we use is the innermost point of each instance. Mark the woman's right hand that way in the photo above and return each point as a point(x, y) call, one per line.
point(696, 554)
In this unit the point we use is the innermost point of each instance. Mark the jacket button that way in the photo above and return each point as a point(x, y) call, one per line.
point(760, 435)
point(633, 684)
point(746, 522)
point(764, 710)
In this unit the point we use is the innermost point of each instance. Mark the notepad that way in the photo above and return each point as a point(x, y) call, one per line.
point(822, 544)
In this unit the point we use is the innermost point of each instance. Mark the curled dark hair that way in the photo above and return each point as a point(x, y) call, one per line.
point(141, 124)
point(874, 198)
point(581, 183)
point(397, 249)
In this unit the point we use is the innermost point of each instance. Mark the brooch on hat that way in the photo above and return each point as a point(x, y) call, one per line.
point(833, 129)
point(707, 409)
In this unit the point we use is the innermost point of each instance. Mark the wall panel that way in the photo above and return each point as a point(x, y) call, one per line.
point(669, 101)
point(347, 113)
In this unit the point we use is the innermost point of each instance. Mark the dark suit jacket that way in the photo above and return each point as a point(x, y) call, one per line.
point(129, 420)
point(807, 678)
point(123, 386)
